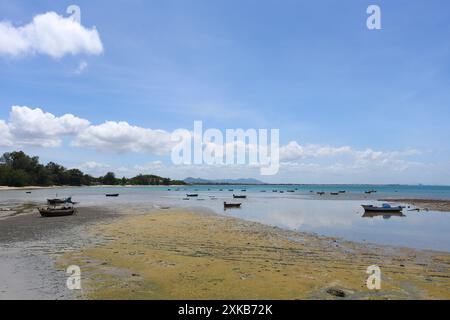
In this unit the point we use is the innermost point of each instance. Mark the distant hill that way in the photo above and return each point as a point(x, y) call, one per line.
point(222, 181)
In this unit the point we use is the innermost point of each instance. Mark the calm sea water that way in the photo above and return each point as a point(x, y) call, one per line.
point(302, 210)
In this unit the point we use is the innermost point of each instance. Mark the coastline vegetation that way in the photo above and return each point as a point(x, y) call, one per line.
point(17, 169)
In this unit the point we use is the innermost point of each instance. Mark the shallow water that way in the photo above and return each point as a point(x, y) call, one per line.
point(337, 216)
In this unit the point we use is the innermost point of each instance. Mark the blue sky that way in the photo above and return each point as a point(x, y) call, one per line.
point(310, 68)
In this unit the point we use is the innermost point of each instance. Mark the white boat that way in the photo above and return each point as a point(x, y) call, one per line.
point(384, 208)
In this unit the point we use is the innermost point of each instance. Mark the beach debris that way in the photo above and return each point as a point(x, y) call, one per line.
point(337, 292)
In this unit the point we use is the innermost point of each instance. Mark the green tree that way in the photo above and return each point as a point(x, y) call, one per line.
point(109, 179)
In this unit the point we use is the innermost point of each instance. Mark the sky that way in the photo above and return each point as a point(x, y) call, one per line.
point(353, 105)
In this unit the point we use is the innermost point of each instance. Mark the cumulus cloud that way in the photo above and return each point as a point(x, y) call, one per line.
point(34, 127)
point(122, 137)
point(94, 168)
point(294, 151)
point(49, 34)
point(5, 135)
point(296, 154)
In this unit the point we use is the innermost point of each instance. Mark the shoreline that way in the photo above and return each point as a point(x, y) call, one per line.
point(5, 188)
point(424, 204)
point(186, 254)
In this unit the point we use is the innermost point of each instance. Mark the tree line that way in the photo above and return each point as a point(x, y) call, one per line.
point(17, 169)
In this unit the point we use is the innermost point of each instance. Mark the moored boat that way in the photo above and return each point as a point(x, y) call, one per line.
point(231, 205)
point(239, 197)
point(192, 195)
point(111, 195)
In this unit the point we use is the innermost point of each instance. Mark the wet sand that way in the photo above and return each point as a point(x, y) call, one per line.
point(425, 204)
point(181, 254)
point(30, 245)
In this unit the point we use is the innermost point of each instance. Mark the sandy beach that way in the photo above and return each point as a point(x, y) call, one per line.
point(30, 245)
point(182, 254)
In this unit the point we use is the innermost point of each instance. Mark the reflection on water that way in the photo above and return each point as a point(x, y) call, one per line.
point(302, 211)
point(385, 215)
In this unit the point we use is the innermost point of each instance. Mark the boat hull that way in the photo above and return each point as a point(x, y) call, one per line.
point(51, 213)
point(380, 209)
point(231, 205)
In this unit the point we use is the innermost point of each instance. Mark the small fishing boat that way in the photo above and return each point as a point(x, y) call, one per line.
point(192, 195)
point(384, 208)
point(28, 192)
point(320, 193)
point(342, 191)
point(231, 205)
point(54, 202)
point(239, 197)
point(334, 193)
point(243, 190)
point(291, 191)
point(111, 195)
point(56, 212)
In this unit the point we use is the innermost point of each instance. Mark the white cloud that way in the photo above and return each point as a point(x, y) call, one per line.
point(299, 163)
point(5, 135)
point(294, 151)
point(49, 34)
point(121, 137)
point(34, 127)
point(81, 67)
point(94, 168)
point(346, 156)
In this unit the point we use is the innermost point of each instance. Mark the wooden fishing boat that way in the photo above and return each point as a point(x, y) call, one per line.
point(384, 208)
point(111, 195)
point(320, 193)
point(239, 197)
point(334, 193)
point(231, 205)
point(291, 191)
point(192, 195)
point(56, 212)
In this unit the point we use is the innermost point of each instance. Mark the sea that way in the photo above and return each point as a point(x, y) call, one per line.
point(294, 207)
